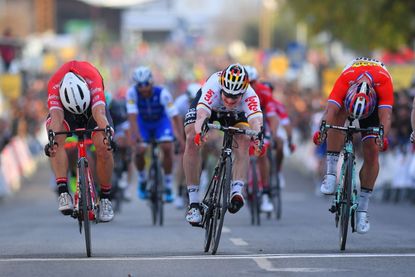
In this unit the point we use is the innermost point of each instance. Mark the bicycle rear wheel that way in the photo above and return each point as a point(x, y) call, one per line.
point(85, 202)
point(221, 204)
point(345, 203)
point(254, 197)
point(276, 197)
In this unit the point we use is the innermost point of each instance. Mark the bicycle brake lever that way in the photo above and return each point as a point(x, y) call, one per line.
point(205, 127)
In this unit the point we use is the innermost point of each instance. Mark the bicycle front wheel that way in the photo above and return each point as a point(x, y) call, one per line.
point(345, 203)
point(85, 201)
point(221, 204)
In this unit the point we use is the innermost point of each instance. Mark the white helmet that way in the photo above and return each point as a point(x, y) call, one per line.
point(252, 73)
point(192, 90)
point(234, 80)
point(74, 93)
point(142, 76)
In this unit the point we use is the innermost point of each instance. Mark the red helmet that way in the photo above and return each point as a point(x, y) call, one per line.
point(361, 100)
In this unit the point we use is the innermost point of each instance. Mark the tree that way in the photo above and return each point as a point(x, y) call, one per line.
point(362, 25)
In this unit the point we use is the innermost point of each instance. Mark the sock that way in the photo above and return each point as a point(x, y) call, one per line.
point(364, 197)
point(105, 191)
point(237, 186)
point(332, 159)
point(62, 184)
point(141, 176)
point(168, 181)
point(193, 191)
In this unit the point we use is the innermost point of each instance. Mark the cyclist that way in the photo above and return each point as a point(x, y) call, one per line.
point(226, 97)
point(150, 109)
point(122, 158)
point(76, 100)
point(183, 103)
point(266, 101)
point(363, 91)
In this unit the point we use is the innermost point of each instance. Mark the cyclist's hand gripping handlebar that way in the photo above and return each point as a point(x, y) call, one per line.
point(109, 139)
point(51, 144)
point(202, 136)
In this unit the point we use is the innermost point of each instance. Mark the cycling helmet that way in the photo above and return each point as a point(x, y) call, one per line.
point(74, 93)
point(192, 90)
point(360, 100)
point(252, 73)
point(142, 76)
point(234, 80)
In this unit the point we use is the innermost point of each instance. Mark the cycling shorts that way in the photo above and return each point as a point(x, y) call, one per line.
point(161, 130)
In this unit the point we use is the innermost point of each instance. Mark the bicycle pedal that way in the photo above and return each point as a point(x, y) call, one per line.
point(196, 224)
point(333, 209)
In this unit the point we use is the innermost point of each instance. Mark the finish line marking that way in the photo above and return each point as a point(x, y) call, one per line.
point(212, 257)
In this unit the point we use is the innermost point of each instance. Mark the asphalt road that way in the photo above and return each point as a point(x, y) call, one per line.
point(36, 240)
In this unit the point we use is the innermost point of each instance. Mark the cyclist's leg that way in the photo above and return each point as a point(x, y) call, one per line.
point(59, 165)
point(140, 150)
point(240, 169)
point(263, 165)
point(104, 168)
point(164, 135)
point(368, 173)
point(335, 141)
point(192, 165)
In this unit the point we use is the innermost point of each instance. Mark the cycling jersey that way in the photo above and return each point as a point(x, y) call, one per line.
point(85, 70)
point(375, 70)
point(211, 99)
point(153, 113)
point(281, 112)
point(182, 104)
point(153, 108)
point(265, 98)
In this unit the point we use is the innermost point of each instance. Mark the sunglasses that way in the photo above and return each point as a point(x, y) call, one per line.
point(231, 96)
point(143, 84)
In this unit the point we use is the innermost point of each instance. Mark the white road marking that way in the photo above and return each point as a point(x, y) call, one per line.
point(225, 229)
point(238, 241)
point(265, 264)
point(212, 257)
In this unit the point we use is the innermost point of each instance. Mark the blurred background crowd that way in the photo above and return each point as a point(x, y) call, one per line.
point(296, 45)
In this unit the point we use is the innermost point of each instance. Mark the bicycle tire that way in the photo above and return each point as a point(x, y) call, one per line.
point(85, 201)
point(275, 188)
point(255, 202)
point(160, 193)
point(153, 194)
point(221, 203)
point(208, 200)
point(345, 203)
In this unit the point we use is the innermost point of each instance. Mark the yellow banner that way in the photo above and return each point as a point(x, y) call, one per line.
point(329, 78)
point(401, 76)
point(11, 85)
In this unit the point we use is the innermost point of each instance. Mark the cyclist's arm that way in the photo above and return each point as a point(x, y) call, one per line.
point(385, 115)
point(56, 119)
point(201, 115)
point(255, 123)
point(99, 114)
point(134, 134)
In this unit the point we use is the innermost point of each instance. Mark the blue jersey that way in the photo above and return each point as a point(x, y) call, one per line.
point(150, 109)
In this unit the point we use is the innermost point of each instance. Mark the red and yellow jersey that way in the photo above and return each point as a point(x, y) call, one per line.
point(265, 98)
point(86, 71)
point(375, 70)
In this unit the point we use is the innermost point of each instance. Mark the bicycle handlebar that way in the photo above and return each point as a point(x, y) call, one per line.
point(379, 131)
point(234, 130)
point(81, 132)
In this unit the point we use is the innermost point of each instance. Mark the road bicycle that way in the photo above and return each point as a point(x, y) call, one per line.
point(86, 202)
point(155, 186)
point(253, 191)
point(345, 200)
point(216, 199)
point(274, 185)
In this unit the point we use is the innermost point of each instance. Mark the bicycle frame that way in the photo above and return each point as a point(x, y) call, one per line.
point(345, 201)
point(85, 194)
point(216, 199)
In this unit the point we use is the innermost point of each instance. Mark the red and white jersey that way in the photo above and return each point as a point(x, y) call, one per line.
point(281, 112)
point(375, 70)
point(211, 99)
point(265, 98)
point(86, 71)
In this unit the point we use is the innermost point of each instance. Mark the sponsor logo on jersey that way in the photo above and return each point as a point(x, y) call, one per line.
point(208, 96)
point(252, 103)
